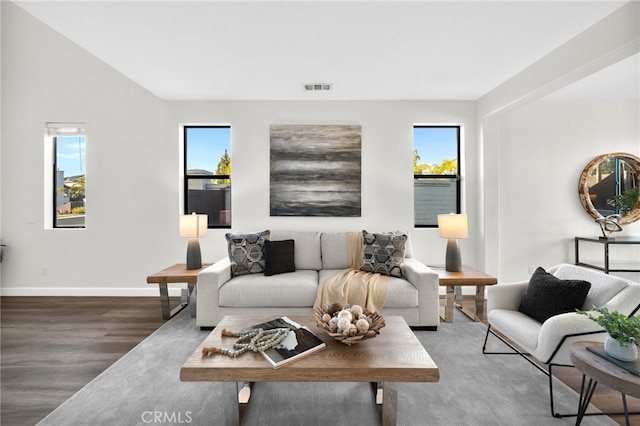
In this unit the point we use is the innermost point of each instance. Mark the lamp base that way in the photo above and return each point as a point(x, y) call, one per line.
point(453, 261)
point(194, 260)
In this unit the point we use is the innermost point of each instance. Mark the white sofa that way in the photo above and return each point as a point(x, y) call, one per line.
point(318, 255)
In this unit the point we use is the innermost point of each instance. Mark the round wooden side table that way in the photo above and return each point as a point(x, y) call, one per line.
point(600, 370)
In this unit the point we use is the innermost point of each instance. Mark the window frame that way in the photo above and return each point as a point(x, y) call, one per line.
point(457, 177)
point(188, 177)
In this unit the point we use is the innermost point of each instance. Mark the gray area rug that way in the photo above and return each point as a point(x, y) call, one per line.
point(144, 387)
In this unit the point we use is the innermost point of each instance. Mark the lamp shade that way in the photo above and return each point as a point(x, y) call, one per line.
point(193, 225)
point(453, 225)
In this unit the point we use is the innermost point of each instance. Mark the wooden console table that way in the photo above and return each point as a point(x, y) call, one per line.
point(177, 273)
point(453, 281)
point(606, 242)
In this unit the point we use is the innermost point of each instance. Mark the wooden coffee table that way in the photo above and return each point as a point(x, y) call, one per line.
point(395, 355)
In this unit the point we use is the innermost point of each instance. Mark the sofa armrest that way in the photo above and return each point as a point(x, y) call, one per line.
point(626, 301)
point(505, 296)
point(217, 274)
point(209, 282)
point(426, 281)
point(558, 332)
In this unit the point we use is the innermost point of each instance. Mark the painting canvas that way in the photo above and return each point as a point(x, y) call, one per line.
point(315, 170)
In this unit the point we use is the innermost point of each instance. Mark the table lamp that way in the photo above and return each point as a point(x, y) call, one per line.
point(193, 226)
point(453, 226)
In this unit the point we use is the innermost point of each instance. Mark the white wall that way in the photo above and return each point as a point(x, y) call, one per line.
point(133, 168)
point(547, 144)
point(0, 143)
point(525, 140)
point(130, 181)
point(387, 159)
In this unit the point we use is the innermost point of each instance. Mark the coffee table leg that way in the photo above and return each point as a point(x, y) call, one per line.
point(243, 392)
point(389, 404)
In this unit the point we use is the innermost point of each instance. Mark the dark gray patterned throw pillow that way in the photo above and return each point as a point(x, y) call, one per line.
point(246, 252)
point(384, 253)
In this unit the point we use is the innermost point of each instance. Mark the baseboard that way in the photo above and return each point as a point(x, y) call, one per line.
point(150, 291)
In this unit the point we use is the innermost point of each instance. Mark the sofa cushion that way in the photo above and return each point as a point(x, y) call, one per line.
point(334, 250)
point(603, 286)
point(246, 252)
point(384, 253)
point(547, 295)
point(292, 289)
point(279, 257)
point(307, 247)
point(520, 328)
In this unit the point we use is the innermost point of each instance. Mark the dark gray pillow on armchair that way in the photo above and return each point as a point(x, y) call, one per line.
point(547, 296)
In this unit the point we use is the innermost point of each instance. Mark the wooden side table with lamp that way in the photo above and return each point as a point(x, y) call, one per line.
point(177, 273)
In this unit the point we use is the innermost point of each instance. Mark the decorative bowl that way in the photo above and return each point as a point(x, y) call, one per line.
point(349, 325)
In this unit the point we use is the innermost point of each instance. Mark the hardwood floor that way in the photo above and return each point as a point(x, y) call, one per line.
point(52, 346)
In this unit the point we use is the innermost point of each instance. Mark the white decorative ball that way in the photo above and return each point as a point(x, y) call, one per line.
point(362, 325)
point(345, 314)
point(333, 324)
point(343, 324)
point(356, 310)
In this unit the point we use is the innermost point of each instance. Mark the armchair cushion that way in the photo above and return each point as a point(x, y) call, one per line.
point(547, 296)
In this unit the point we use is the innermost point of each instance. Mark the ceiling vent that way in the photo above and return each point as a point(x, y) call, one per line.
point(317, 86)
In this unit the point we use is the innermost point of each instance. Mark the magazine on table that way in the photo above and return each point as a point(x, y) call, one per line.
point(299, 343)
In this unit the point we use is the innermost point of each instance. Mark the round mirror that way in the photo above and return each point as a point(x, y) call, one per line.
point(609, 185)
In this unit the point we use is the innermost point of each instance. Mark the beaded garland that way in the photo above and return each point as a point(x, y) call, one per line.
point(256, 340)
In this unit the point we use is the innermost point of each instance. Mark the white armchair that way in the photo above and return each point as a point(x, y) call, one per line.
point(548, 342)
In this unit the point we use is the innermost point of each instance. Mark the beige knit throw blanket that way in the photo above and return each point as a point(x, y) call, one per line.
point(353, 286)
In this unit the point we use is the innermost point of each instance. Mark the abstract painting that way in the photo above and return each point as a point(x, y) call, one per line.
point(315, 170)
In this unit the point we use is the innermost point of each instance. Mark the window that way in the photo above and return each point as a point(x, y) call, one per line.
point(68, 181)
point(207, 173)
point(436, 173)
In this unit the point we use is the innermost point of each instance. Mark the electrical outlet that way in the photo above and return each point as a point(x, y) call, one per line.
point(44, 271)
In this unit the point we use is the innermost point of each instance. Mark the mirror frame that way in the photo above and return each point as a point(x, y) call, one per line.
point(583, 188)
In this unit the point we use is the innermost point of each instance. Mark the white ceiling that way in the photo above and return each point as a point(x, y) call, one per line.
point(365, 49)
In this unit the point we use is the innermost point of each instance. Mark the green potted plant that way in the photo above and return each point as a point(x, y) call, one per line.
point(623, 333)
point(626, 201)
